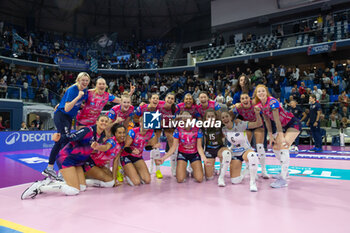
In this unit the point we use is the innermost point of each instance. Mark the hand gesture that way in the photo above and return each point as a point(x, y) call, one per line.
point(132, 88)
point(159, 161)
point(81, 93)
point(156, 146)
point(94, 145)
point(257, 109)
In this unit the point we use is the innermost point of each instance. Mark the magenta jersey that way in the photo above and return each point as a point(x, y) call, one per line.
point(188, 139)
point(272, 104)
point(117, 111)
point(139, 141)
point(248, 114)
point(93, 107)
point(193, 110)
point(141, 109)
point(211, 105)
point(167, 114)
point(102, 158)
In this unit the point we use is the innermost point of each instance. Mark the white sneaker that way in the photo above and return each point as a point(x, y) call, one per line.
point(32, 191)
point(237, 180)
point(279, 183)
point(173, 170)
point(296, 149)
point(253, 187)
point(127, 179)
point(91, 183)
point(189, 169)
point(221, 182)
point(264, 174)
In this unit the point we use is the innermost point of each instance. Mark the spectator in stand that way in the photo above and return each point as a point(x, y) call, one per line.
point(3, 88)
point(343, 100)
point(2, 128)
point(295, 94)
point(324, 101)
point(317, 92)
point(32, 127)
point(38, 124)
point(276, 91)
point(243, 85)
point(302, 88)
point(333, 122)
point(326, 81)
point(314, 123)
point(343, 113)
point(337, 81)
point(23, 126)
point(319, 22)
point(323, 121)
point(163, 89)
point(344, 123)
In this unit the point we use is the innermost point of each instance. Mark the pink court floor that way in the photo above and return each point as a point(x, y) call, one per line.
point(316, 200)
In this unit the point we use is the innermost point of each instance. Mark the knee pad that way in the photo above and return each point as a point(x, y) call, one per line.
point(155, 154)
point(69, 190)
point(108, 184)
point(226, 156)
point(236, 180)
point(253, 159)
point(277, 154)
point(284, 156)
point(82, 187)
point(260, 149)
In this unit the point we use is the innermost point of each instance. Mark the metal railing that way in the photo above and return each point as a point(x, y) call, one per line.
point(30, 94)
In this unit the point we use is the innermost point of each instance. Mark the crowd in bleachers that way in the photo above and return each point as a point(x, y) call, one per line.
point(318, 29)
point(109, 51)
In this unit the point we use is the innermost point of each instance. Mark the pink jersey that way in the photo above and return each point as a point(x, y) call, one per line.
point(248, 114)
point(188, 139)
point(211, 105)
point(116, 111)
point(102, 158)
point(141, 109)
point(271, 104)
point(139, 141)
point(93, 107)
point(193, 110)
point(167, 114)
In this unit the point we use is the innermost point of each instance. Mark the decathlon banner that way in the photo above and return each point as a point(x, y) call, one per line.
point(323, 48)
point(25, 140)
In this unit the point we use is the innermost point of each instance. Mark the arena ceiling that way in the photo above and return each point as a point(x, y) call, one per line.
point(143, 18)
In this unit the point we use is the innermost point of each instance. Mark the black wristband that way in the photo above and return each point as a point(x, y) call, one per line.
point(148, 148)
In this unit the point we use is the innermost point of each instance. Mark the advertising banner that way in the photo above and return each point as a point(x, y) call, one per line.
point(25, 140)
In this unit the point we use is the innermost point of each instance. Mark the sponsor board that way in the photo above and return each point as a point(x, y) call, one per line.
point(25, 140)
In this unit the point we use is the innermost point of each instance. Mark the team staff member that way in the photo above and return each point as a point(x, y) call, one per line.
point(314, 123)
point(66, 111)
